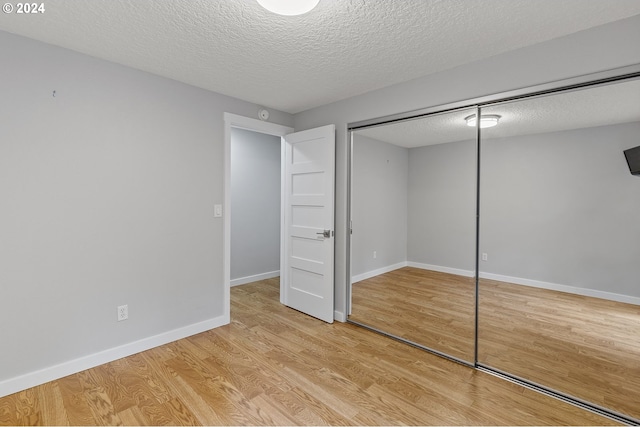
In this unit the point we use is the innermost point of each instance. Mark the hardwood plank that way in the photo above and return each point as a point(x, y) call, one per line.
point(155, 412)
point(274, 366)
point(117, 380)
point(53, 410)
point(179, 413)
point(202, 411)
point(275, 413)
point(586, 347)
point(200, 380)
point(29, 408)
point(132, 416)
point(430, 308)
point(284, 393)
point(75, 401)
point(102, 408)
point(8, 411)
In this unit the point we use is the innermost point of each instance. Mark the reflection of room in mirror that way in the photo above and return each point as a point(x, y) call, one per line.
point(559, 301)
point(584, 346)
point(413, 244)
point(427, 307)
point(581, 109)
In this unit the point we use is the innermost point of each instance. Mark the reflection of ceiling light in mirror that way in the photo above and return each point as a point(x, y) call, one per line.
point(486, 121)
point(288, 7)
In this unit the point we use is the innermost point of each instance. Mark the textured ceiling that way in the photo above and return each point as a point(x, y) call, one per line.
point(340, 49)
point(597, 106)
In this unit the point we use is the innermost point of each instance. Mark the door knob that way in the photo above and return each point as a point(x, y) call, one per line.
point(326, 234)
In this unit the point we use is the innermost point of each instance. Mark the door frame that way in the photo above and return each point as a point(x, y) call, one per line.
point(255, 125)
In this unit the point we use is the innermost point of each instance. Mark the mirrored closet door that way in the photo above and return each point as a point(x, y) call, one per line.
point(559, 287)
point(413, 244)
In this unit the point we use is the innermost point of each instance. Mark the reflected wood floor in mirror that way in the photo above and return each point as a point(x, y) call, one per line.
point(275, 366)
point(583, 346)
point(436, 310)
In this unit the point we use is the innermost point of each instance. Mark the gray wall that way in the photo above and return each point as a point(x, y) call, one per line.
point(379, 208)
point(108, 189)
point(557, 207)
point(442, 205)
point(255, 203)
point(415, 205)
point(107, 196)
point(563, 208)
point(597, 49)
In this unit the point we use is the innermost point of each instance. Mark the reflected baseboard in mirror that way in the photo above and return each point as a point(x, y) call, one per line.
point(585, 347)
point(430, 308)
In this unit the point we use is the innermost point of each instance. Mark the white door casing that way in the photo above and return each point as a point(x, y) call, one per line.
point(308, 222)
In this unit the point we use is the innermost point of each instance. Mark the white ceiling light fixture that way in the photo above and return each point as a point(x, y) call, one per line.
point(486, 121)
point(288, 7)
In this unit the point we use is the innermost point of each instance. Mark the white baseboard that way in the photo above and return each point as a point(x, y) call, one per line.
point(509, 279)
point(441, 269)
point(339, 316)
point(377, 272)
point(256, 277)
point(32, 379)
point(562, 288)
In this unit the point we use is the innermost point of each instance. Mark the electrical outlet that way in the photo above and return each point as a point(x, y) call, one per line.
point(485, 256)
point(123, 312)
point(375, 254)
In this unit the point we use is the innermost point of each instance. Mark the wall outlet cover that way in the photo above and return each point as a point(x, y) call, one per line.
point(123, 312)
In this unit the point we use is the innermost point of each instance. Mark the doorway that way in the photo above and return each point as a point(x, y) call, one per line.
point(251, 133)
point(307, 215)
point(255, 206)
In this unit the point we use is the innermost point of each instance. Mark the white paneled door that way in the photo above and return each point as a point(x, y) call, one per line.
point(308, 222)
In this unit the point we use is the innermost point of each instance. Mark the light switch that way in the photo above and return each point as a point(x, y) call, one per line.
point(217, 211)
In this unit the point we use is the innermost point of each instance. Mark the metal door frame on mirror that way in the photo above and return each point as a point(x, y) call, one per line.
point(561, 86)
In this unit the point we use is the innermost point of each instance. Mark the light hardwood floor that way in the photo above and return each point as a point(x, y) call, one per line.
point(274, 365)
point(586, 347)
point(430, 308)
point(583, 346)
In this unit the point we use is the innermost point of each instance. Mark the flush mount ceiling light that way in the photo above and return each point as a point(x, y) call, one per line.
point(487, 121)
point(288, 7)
